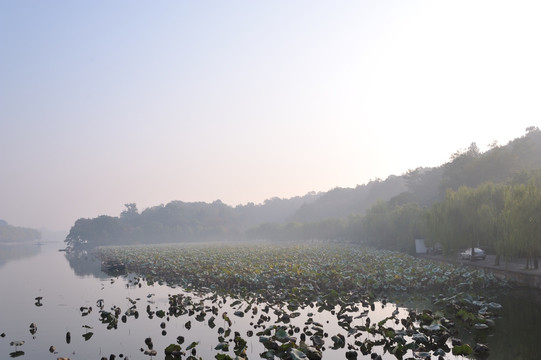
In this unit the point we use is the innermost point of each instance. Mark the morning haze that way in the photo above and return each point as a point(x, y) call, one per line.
point(276, 179)
point(105, 104)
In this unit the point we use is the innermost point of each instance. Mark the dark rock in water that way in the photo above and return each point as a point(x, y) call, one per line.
point(481, 349)
point(3, 335)
point(456, 342)
point(68, 337)
point(351, 355)
point(148, 341)
point(52, 349)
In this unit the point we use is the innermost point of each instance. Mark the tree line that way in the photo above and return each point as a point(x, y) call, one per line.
point(502, 218)
point(486, 199)
point(175, 222)
point(10, 233)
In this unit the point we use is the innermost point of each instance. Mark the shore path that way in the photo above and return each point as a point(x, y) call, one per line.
point(514, 270)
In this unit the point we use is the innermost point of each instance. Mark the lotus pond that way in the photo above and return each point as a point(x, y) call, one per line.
point(240, 301)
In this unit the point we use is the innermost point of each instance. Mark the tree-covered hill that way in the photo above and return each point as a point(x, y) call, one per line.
point(16, 234)
point(472, 168)
point(338, 213)
point(342, 202)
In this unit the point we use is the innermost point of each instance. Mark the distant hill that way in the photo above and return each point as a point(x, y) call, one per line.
point(273, 210)
point(426, 186)
point(181, 221)
point(342, 202)
point(471, 168)
point(10, 233)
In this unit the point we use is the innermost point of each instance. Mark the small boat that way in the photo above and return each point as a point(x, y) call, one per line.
point(113, 266)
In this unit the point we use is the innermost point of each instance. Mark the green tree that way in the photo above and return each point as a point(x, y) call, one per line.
point(521, 222)
point(467, 217)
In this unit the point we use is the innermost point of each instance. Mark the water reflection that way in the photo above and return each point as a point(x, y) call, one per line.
point(11, 252)
point(84, 264)
point(71, 284)
point(518, 328)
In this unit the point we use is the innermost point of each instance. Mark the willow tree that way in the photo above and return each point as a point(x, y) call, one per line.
point(394, 226)
point(376, 230)
point(467, 217)
point(521, 222)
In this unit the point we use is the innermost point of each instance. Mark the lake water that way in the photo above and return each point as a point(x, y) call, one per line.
point(31, 271)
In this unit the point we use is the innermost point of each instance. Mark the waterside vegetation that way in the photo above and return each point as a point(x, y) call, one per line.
point(296, 273)
point(345, 282)
point(491, 200)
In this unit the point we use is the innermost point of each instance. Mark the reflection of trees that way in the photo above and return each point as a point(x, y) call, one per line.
point(18, 251)
point(85, 264)
point(518, 326)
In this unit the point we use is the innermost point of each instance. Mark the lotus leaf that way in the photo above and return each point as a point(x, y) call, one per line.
point(297, 354)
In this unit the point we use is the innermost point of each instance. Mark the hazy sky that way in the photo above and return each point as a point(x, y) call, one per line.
point(108, 102)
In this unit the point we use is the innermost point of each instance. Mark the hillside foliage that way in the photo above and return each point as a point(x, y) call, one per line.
point(17, 234)
point(490, 199)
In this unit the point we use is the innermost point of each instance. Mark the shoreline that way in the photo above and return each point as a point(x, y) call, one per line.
point(513, 271)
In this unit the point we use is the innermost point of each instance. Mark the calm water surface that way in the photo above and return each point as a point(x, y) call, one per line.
point(42, 271)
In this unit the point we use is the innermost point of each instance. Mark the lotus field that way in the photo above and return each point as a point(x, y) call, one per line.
point(313, 300)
